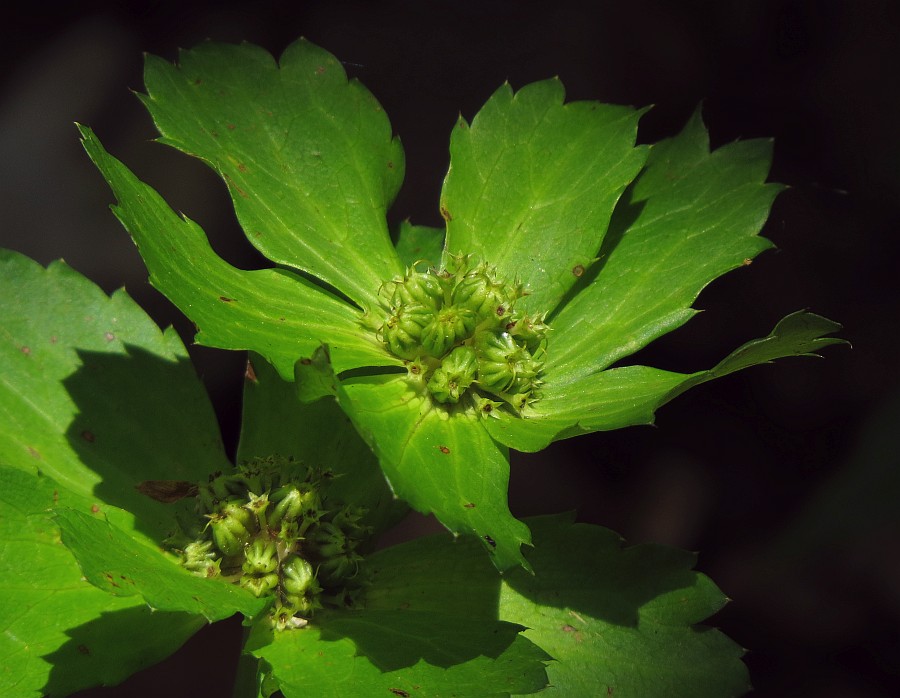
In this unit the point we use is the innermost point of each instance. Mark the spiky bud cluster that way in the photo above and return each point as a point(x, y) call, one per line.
point(462, 336)
point(271, 528)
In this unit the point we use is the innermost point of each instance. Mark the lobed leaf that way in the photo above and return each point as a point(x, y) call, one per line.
point(113, 561)
point(419, 243)
point(58, 633)
point(533, 182)
point(95, 396)
point(271, 311)
point(275, 422)
point(630, 395)
point(401, 653)
point(617, 621)
point(621, 621)
point(308, 156)
point(440, 463)
point(690, 217)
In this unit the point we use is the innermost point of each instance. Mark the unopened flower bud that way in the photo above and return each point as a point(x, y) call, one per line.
point(260, 585)
point(291, 503)
point(402, 332)
point(448, 326)
point(456, 373)
point(260, 557)
point(420, 289)
point(229, 533)
point(297, 575)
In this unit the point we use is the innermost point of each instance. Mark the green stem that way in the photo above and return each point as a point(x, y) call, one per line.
point(248, 680)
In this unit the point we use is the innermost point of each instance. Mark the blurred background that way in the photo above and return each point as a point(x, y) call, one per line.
point(785, 478)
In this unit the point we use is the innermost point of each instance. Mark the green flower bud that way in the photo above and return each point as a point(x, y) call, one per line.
point(481, 292)
point(530, 332)
point(418, 289)
point(291, 503)
point(260, 558)
point(297, 575)
point(402, 332)
point(257, 505)
point(457, 372)
point(229, 533)
point(200, 558)
point(260, 586)
point(450, 325)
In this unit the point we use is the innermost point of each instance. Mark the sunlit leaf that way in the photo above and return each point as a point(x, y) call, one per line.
point(533, 182)
point(308, 156)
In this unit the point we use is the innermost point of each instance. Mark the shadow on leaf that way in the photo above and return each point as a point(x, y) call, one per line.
point(109, 649)
point(141, 417)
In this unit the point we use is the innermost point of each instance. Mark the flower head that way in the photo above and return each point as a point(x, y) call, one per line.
point(566, 249)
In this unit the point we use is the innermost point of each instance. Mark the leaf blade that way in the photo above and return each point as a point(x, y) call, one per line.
point(529, 169)
point(271, 311)
point(308, 156)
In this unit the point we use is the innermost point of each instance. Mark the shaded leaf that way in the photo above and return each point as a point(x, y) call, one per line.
point(616, 620)
point(58, 633)
point(401, 653)
point(690, 217)
point(621, 621)
point(116, 563)
point(416, 243)
point(307, 155)
point(275, 422)
point(271, 311)
point(533, 182)
point(96, 396)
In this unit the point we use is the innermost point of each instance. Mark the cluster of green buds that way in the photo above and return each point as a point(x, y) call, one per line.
point(270, 527)
point(462, 337)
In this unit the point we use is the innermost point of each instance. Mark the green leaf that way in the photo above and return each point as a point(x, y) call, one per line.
point(533, 182)
point(58, 633)
point(611, 617)
point(416, 243)
point(441, 463)
point(95, 396)
point(271, 311)
point(116, 563)
point(621, 621)
point(275, 422)
point(690, 217)
point(622, 397)
point(404, 653)
point(307, 155)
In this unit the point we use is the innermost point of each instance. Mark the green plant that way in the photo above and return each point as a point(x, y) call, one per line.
point(386, 369)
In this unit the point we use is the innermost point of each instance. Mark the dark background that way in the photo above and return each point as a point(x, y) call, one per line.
point(785, 477)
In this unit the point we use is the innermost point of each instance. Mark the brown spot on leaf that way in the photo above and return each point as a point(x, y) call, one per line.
point(444, 449)
point(578, 270)
point(166, 491)
point(250, 373)
point(490, 541)
point(226, 299)
point(214, 134)
point(25, 350)
point(83, 649)
point(320, 69)
point(198, 81)
point(399, 692)
point(568, 628)
point(95, 509)
point(109, 336)
point(241, 167)
point(306, 361)
point(230, 127)
point(469, 505)
point(55, 496)
point(109, 578)
point(445, 214)
point(88, 436)
point(34, 453)
point(390, 165)
point(54, 339)
point(747, 262)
